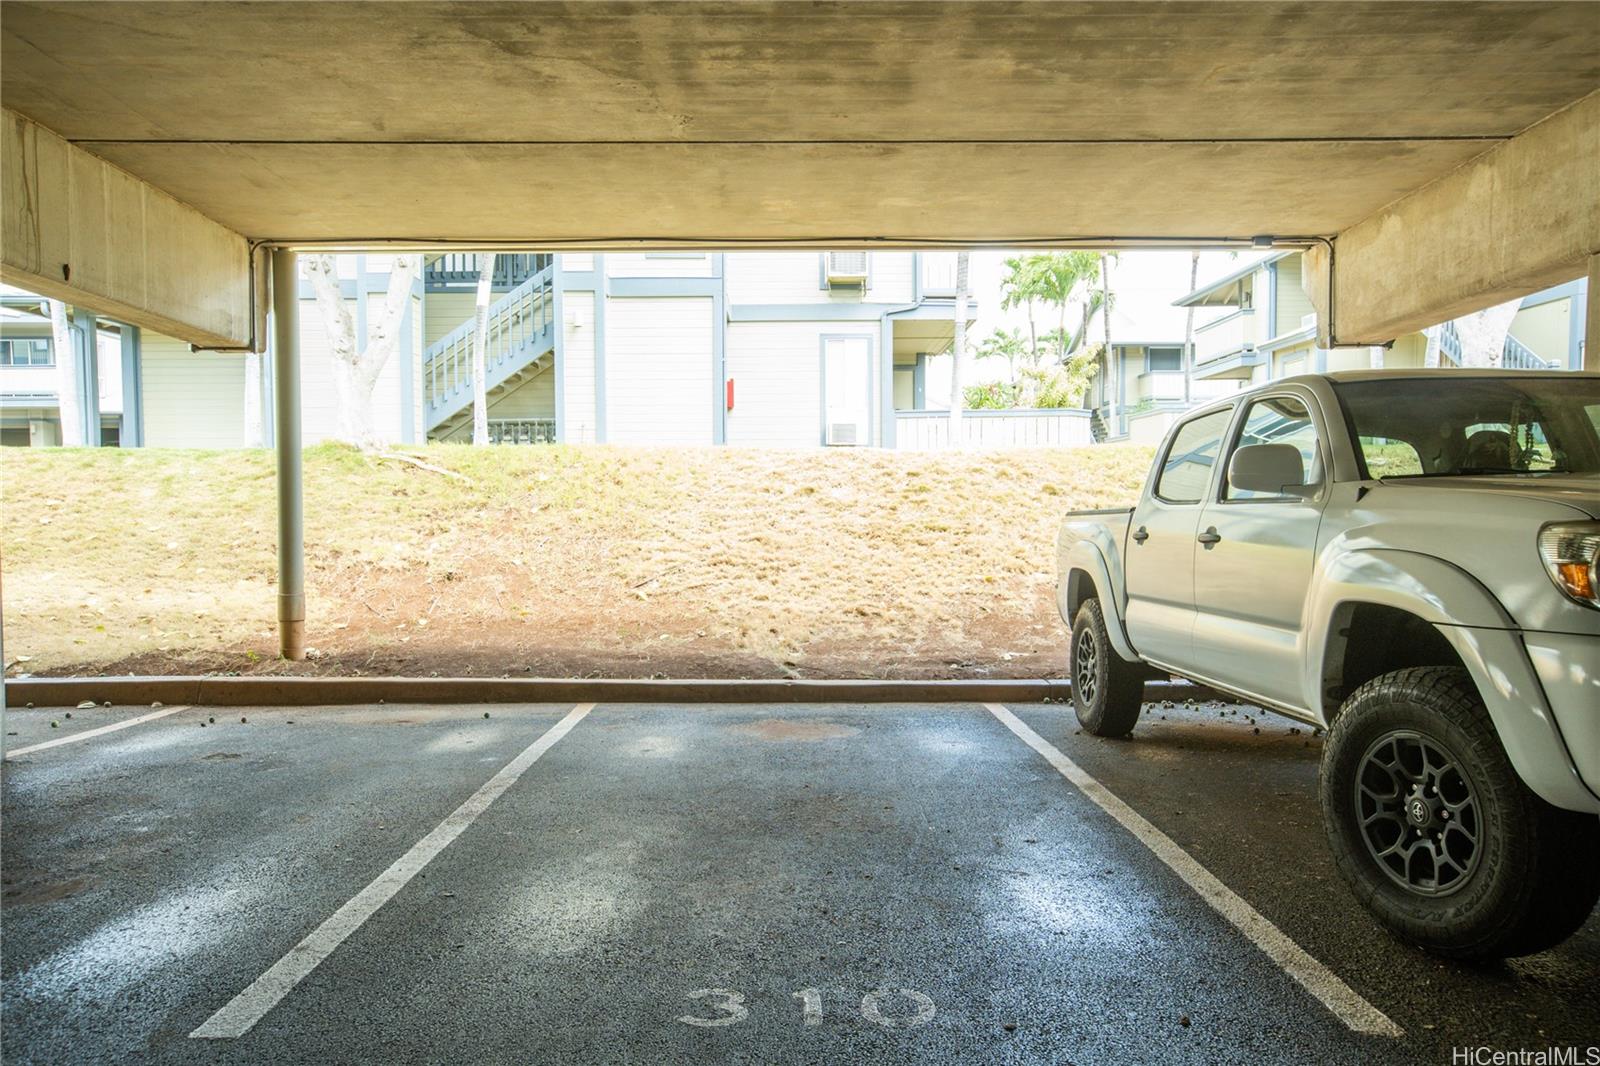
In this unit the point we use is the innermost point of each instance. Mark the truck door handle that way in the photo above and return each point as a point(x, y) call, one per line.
point(1210, 536)
point(1141, 535)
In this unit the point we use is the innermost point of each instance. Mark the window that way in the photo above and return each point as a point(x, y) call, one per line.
point(1186, 471)
point(1163, 360)
point(26, 351)
point(1390, 458)
point(1506, 425)
point(1280, 420)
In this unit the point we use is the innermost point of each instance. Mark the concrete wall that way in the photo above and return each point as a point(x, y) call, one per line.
point(1519, 218)
point(76, 228)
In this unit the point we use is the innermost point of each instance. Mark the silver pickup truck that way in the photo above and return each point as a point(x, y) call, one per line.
point(1411, 560)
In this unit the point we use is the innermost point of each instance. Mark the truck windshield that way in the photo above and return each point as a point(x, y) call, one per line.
point(1438, 427)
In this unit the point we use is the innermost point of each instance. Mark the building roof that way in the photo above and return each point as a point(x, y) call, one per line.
point(1209, 288)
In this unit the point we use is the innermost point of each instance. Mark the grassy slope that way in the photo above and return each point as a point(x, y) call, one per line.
point(552, 559)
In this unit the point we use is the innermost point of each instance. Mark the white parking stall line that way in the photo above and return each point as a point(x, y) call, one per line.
point(101, 731)
point(1348, 1005)
point(239, 1014)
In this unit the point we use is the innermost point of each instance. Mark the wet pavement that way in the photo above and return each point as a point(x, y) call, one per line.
point(709, 884)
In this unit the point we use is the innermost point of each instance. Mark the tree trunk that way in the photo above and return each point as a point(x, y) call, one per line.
point(480, 350)
point(252, 401)
point(1483, 334)
point(71, 414)
point(1113, 364)
point(1188, 326)
point(958, 352)
point(355, 369)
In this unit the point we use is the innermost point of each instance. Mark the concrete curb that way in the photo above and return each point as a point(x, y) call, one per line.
point(331, 691)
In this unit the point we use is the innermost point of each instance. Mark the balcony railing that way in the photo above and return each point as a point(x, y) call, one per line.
point(522, 431)
point(1515, 356)
point(1224, 336)
point(454, 271)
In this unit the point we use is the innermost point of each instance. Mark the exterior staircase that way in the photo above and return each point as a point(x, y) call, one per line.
point(1517, 356)
point(522, 326)
point(1097, 426)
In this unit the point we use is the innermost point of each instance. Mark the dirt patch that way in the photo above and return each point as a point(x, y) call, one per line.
point(791, 729)
point(552, 561)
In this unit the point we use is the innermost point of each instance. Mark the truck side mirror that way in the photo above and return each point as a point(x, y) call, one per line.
point(1277, 469)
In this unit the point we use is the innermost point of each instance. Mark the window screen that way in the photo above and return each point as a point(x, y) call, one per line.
point(1186, 471)
point(1163, 360)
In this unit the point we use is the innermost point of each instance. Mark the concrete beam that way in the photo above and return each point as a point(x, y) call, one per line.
point(1521, 217)
point(76, 228)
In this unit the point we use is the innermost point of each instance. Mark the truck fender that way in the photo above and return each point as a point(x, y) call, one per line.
point(1483, 636)
point(1086, 556)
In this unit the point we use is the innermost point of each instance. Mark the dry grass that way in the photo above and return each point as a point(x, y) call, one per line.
point(594, 560)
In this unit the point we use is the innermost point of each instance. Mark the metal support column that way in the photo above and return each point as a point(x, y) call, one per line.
point(291, 496)
point(86, 350)
point(1591, 322)
point(132, 434)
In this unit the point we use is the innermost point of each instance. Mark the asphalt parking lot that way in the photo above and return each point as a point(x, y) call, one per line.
point(833, 883)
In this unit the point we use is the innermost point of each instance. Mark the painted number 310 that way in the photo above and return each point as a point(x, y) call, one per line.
point(892, 1008)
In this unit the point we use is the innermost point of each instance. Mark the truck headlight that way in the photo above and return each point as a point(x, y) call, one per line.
point(1571, 554)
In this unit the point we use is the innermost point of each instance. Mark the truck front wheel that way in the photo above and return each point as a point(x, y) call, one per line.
point(1437, 835)
point(1107, 690)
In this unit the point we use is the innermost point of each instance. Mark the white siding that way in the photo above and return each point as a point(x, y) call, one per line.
point(578, 367)
point(795, 278)
point(191, 399)
point(658, 370)
point(445, 312)
point(776, 369)
point(576, 261)
point(646, 265)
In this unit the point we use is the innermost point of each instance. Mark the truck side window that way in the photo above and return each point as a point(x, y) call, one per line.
point(1186, 470)
point(1279, 420)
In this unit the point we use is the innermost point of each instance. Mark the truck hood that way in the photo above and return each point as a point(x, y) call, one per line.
point(1581, 492)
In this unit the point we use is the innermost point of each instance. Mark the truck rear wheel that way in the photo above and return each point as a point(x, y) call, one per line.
point(1437, 835)
point(1107, 690)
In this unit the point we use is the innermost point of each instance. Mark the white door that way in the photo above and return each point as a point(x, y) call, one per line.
point(659, 383)
point(1251, 580)
point(1160, 553)
point(847, 390)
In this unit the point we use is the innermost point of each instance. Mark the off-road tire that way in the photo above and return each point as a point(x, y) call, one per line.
point(1530, 878)
point(1107, 690)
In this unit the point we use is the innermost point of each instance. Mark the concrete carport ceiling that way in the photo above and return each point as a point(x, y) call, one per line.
point(782, 122)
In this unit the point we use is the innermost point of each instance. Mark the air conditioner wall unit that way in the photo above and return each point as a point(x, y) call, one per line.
point(845, 434)
point(846, 268)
